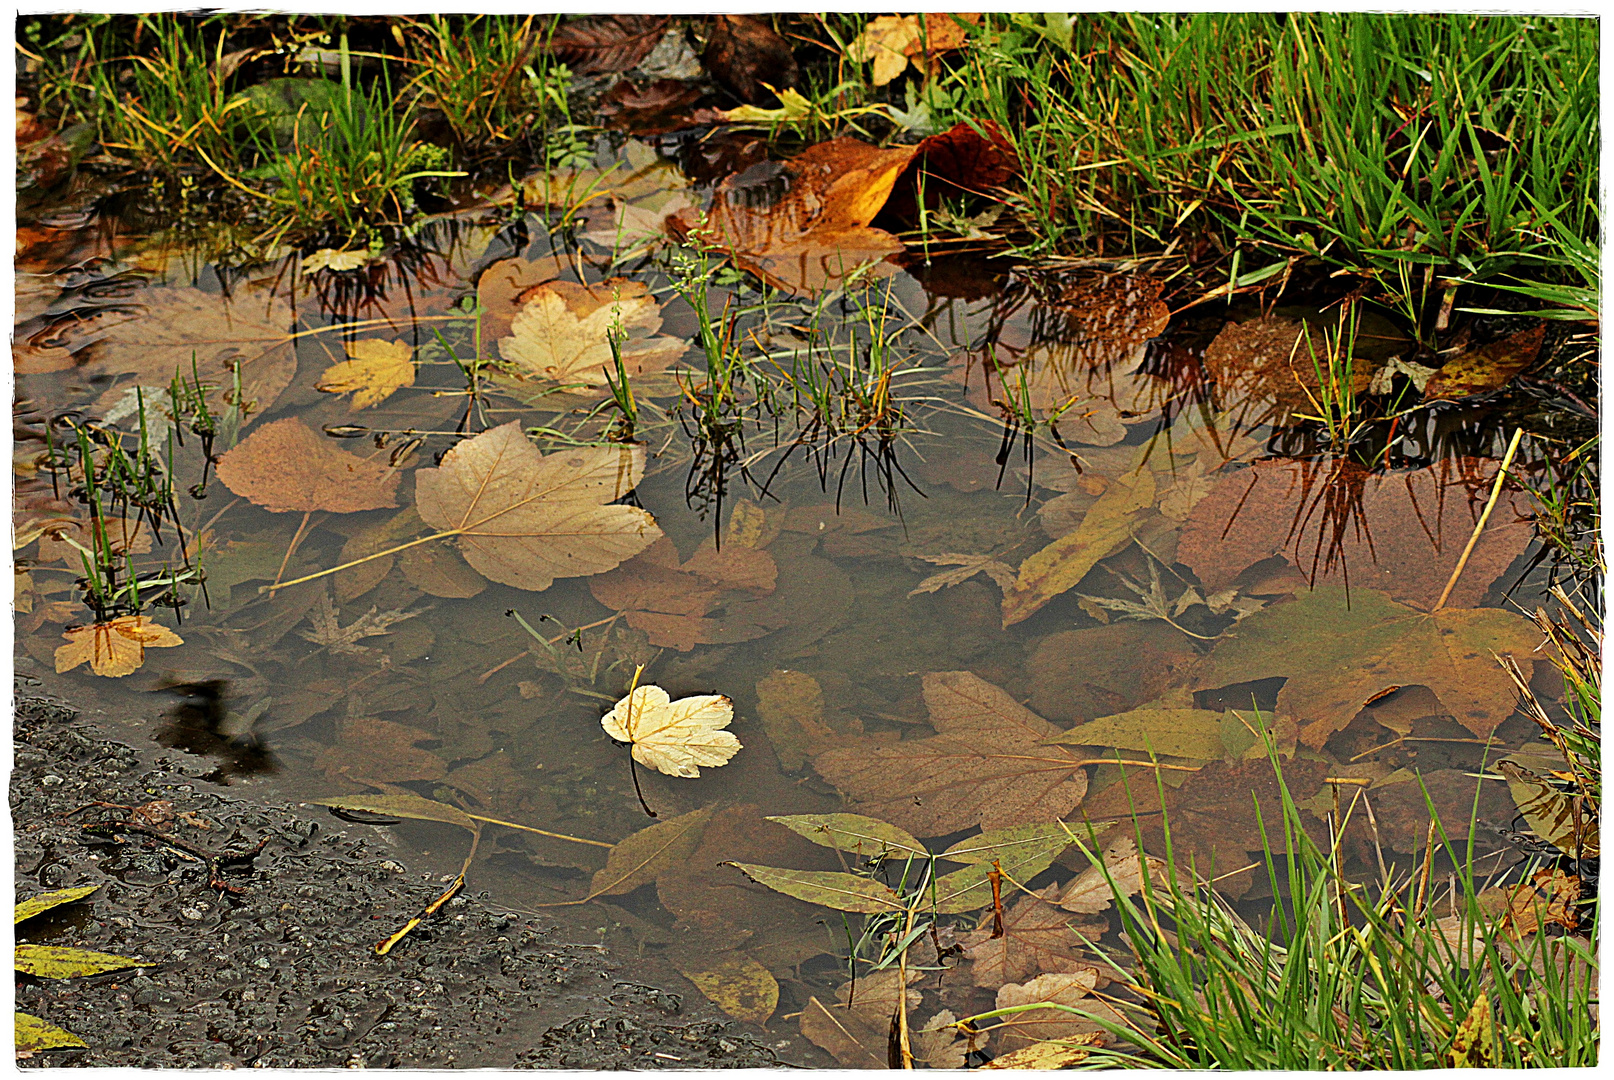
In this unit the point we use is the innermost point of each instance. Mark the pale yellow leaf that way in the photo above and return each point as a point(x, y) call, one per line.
point(674, 737)
point(375, 370)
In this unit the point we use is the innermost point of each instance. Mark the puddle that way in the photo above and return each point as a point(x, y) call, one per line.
point(923, 610)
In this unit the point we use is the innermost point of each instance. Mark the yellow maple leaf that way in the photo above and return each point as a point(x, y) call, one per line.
point(114, 648)
point(331, 259)
point(888, 41)
point(674, 737)
point(560, 333)
point(375, 370)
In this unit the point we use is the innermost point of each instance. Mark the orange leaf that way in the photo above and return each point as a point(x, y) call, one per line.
point(115, 648)
point(287, 466)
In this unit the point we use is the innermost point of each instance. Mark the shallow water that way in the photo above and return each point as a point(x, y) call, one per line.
point(907, 613)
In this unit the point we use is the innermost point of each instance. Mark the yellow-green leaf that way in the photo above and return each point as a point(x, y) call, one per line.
point(828, 888)
point(38, 905)
point(1474, 1044)
point(35, 1034)
point(854, 834)
point(1563, 819)
point(735, 983)
point(63, 962)
point(641, 858)
point(1186, 733)
point(1021, 852)
point(401, 804)
point(1052, 1054)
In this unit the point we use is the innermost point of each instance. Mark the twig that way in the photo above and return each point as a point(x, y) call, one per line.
point(1479, 527)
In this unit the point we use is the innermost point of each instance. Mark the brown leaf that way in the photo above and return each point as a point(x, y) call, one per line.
point(803, 225)
point(438, 571)
point(680, 607)
point(123, 535)
point(965, 567)
point(1021, 1030)
point(985, 766)
point(855, 1026)
point(1487, 368)
point(524, 518)
point(655, 109)
point(560, 334)
point(1401, 533)
point(955, 163)
point(1104, 670)
point(379, 750)
point(1091, 891)
point(287, 466)
point(790, 705)
point(743, 52)
point(345, 639)
point(603, 43)
point(114, 648)
point(1268, 361)
point(500, 290)
point(1037, 938)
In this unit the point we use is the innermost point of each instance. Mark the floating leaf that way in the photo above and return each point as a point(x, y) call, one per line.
point(560, 333)
point(937, 1044)
point(674, 737)
point(287, 466)
point(38, 905)
point(1400, 532)
point(524, 518)
point(1037, 937)
point(734, 982)
point(439, 571)
point(985, 766)
point(854, 1027)
point(1564, 819)
point(62, 962)
point(331, 259)
point(35, 1034)
point(826, 888)
point(500, 290)
point(604, 43)
point(641, 858)
point(1184, 733)
point(854, 834)
point(375, 369)
point(1339, 650)
point(1106, 529)
point(114, 648)
point(1488, 367)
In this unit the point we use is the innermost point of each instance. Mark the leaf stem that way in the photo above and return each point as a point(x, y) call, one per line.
point(389, 551)
point(1479, 527)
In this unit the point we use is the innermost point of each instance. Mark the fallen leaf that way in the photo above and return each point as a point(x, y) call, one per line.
point(287, 466)
point(803, 225)
point(604, 43)
point(371, 750)
point(1105, 670)
point(891, 41)
point(1094, 889)
point(375, 370)
point(790, 705)
point(1183, 733)
point(38, 905)
point(854, 834)
point(403, 805)
point(1550, 898)
point(826, 888)
point(1267, 361)
point(1105, 530)
point(438, 571)
point(734, 982)
point(34, 1034)
point(179, 327)
point(62, 962)
point(500, 289)
point(674, 737)
point(643, 857)
point(331, 259)
point(1020, 1031)
point(854, 1027)
point(1056, 1054)
point(116, 648)
point(1338, 650)
point(1037, 938)
point(743, 53)
point(1019, 853)
point(344, 640)
point(967, 567)
point(57, 538)
point(656, 109)
point(679, 606)
point(1473, 1044)
point(560, 333)
point(524, 518)
point(1488, 367)
point(1556, 814)
point(1401, 533)
point(937, 1044)
point(985, 766)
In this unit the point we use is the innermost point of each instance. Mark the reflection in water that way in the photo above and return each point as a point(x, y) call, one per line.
point(201, 723)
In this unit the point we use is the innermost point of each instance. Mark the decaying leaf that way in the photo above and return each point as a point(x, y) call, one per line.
point(1184, 733)
point(114, 648)
point(1488, 367)
point(966, 567)
point(644, 856)
point(854, 834)
point(1106, 670)
point(674, 737)
point(63, 962)
point(345, 639)
point(803, 225)
point(826, 888)
point(332, 259)
point(373, 370)
point(1037, 938)
point(1106, 529)
point(34, 1034)
point(1268, 360)
point(985, 766)
point(1055, 1054)
point(1094, 889)
point(604, 43)
point(1401, 533)
point(891, 41)
point(937, 1044)
point(746, 57)
point(38, 905)
point(500, 289)
point(708, 600)
point(790, 705)
point(1018, 853)
point(734, 982)
point(1473, 1044)
point(560, 333)
point(1339, 651)
point(287, 466)
point(1058, 988)
point(854, 1027)
point(524, 518)
point(370, 750)
point(402, 804)
point(1555, 813)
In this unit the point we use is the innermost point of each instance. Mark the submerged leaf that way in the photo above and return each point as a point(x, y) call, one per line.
point(62, 962)
point(826, 888)
point(1051, 1054)
point(643, 857)
point(403, 805)
point(561, 333)
point(1564, 819)
point(1037, 937)
point(1040, 1026)
point(854, 834)
point(524, 518)
point(1094, 889)
point(115, 648)
point(286, 466)
point(734, 982)
point(1185, 733)
point(854, 1027)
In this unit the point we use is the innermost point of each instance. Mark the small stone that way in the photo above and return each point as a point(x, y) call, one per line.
point(50, 780)
point(190, 913)
point(388, 864)
point(262, 961)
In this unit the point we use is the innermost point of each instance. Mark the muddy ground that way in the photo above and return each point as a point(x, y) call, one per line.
point(283, 974)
